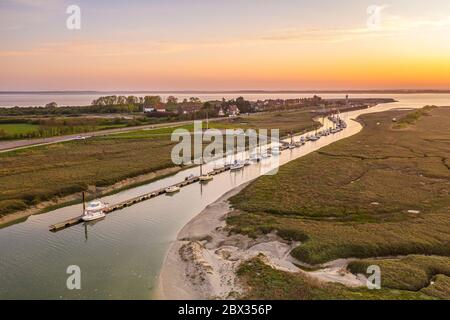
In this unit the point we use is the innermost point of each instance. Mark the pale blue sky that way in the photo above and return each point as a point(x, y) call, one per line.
point(179, 41)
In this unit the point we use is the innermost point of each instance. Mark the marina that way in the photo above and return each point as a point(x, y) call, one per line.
point(235, 166)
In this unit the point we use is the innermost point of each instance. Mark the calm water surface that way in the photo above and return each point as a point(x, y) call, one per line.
point(120, 256)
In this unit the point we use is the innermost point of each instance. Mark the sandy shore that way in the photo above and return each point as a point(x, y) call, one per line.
point(99, 192)
point(202, 262)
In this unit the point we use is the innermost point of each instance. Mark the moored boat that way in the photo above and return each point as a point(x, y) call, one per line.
point(205, 177)
point(172, 189)
point(237, 165)
point(94, 211)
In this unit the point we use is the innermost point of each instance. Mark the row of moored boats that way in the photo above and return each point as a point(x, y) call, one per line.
point(338, 126)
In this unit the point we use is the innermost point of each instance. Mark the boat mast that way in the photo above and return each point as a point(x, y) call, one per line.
point(84, 202)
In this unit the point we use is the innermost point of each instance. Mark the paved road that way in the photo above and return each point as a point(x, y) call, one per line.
point(20, 144)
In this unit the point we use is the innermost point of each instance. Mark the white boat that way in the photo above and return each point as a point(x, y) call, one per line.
point(291, 146)
point(237, 165)
point(255, 157)
point(94, 211)
point(275, 151)
point(218, 166)
point(205, 177)
point(247, 162)
point(172, 189)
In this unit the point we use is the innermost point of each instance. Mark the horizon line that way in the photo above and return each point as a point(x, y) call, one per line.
point(244, 91)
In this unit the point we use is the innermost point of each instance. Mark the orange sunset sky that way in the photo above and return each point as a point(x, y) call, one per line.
point(225, 45)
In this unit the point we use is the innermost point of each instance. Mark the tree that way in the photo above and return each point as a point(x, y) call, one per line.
point(132, 100)
point(172, 101)
point(152, 100)
point(51, 105)
point(194, 100)
point(243, 105)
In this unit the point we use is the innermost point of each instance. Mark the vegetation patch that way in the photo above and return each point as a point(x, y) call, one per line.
point(413, 117)
point(266, 283)
point(408, 273)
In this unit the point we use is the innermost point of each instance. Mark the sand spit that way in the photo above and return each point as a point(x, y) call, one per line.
point(202, 262)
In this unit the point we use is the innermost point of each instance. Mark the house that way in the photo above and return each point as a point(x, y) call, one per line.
point(160, 109)
point(149, 109)
point(189, 107)
point(233, 111)
point(221, 113)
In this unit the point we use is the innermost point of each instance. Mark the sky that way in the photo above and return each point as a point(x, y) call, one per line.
point(225, 45)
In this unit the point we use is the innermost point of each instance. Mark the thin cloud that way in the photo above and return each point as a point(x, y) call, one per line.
point(391, 25)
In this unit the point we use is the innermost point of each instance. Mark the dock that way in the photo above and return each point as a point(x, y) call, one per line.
point(127, 203)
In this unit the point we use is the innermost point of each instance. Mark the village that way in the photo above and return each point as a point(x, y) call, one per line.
point(155, 107)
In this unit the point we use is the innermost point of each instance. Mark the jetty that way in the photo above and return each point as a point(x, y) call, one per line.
point(127, 203)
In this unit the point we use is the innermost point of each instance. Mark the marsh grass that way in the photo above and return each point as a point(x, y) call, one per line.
point(351, 199)
point(411, 273)
point(266, 283)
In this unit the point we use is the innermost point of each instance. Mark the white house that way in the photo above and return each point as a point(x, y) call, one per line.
point(233, 111)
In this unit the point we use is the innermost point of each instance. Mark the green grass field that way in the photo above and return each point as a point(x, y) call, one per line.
point(296, 121)
point(17, 128)
point(353, 198)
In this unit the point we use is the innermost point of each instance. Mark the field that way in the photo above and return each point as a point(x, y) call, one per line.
point(382, 192)
point(34, 175)
point(11, 129)
point(296, 121)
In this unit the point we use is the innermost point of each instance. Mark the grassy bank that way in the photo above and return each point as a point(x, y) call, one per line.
point(266, 283)
point(32, 176)
point(382, 192)
point(413, 273)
